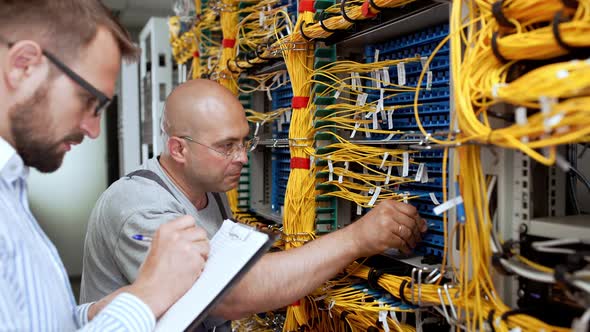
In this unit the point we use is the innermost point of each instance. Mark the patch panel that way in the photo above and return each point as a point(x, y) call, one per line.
point(434, 116)
point(280, 175)
point(432, 34)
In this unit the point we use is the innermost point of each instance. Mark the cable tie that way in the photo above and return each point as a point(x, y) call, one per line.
point(344, 14)
point(499, 15)
point(495, 48)
point(299, 102)
point(366, 10)
point(323, 13)
point(490, 320)
point(300, 163)
point(306, 6)
point(228, 43)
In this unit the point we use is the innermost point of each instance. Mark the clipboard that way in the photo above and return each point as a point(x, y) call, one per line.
point(217, 280)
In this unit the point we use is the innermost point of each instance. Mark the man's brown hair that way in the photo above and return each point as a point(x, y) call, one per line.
point(63, 27)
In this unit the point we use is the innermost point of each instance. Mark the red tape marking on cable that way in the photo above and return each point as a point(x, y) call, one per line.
point(299, 102)
point(228, 43)
point(366, 10)
point(301, 163)
point(196, 54)
point(296, 303)
point(307, 6)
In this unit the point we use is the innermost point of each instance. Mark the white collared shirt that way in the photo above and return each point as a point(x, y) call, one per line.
point(35, 294)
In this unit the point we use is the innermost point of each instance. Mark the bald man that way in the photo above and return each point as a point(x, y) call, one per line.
point(206, 147)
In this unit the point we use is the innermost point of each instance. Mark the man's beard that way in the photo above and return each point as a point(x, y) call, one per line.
point(31, 130)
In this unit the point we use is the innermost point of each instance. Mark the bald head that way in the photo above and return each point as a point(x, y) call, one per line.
point(196, 103)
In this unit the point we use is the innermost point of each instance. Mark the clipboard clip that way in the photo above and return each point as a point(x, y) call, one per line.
point(240, 231)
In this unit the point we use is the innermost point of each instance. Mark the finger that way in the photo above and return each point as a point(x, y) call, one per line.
point(195, 234)
point(423, 225)
point(410, 223)
point(202, 249)
point(407, 235)
point(400, 243)
point(404, 208)
point(183, 222)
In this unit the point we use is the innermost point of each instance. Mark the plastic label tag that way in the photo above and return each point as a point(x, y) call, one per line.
point(386, 77)
point(433, 199)
point(356, 126)
point(390, 119)
point(401, 73)
point(418, 176)
point(385, 155)
point(438, 210)
point(406, 164)
point(388, 175)
point(361, 99)
point(338, 92)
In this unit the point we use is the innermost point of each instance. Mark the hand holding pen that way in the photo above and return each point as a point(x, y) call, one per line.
point(175, 259)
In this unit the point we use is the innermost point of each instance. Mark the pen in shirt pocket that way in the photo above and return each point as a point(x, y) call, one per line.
point(140, 237)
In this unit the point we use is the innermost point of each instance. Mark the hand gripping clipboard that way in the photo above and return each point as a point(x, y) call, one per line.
point(235, 248)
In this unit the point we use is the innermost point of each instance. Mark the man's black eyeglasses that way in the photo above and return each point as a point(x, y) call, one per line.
point(102, 100)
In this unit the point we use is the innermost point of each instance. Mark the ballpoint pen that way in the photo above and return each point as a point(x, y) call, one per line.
point(140, 237)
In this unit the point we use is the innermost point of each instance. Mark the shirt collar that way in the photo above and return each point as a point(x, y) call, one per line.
point(12, 166)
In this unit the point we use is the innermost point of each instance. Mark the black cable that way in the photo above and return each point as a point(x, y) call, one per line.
point(581, 177)
point(573, 201)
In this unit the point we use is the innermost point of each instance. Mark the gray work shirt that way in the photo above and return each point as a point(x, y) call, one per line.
point(134, 206)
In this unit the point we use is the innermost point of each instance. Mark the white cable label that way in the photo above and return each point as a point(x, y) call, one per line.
point(521, 119)
point(429, 80)
point(418, 176)
point(388, 175)
point(385, 155)
point(383, 319)
point(356, 126)
point(401, 73)
point(338, 92)
point(405, 197)
point(361, 99)
point(406, 164)
point(359, 210)
point(438, 210)
point(377, 79)
point(433, 199)
point(376, 55)
point(423, 61)
point(553, 121)
point(367, 133)
point(390, 119)
point(386, 78)
point(268, 94)
point(257, 128)
point(359, 83)
point(520, 116)
point(353, 80)
point(376, 121)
